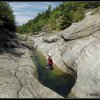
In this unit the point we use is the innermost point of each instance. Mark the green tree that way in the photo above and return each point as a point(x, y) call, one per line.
point(6, 17)
point(58, 18)
point(7, 23)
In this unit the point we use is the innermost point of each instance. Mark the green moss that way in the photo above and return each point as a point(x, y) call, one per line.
point(71, 95)
point(54, 79)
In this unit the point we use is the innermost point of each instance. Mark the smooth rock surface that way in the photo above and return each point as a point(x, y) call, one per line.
point(19, 77)
point(78, 48)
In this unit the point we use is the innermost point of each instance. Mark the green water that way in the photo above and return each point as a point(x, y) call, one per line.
point(54, 79)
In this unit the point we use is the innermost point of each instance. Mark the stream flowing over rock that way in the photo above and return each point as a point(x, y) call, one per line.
point(76, 50)
point(19, 77)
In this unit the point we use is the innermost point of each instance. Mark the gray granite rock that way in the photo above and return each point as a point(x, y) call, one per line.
point(78, 49)
point(19, 77)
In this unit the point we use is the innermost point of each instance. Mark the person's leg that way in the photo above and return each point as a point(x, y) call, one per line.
point(47, 66)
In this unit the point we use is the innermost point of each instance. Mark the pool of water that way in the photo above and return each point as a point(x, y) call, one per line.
point(55, 79)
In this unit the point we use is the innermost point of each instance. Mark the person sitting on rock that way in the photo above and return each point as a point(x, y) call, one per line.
point(50, 62)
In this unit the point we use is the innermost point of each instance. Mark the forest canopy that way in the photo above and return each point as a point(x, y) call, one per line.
point(57, 19)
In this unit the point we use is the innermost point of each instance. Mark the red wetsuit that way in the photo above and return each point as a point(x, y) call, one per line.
point(50, 62)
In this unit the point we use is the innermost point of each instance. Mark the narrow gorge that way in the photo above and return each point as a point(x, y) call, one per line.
point(73, 40)
point(75, 51)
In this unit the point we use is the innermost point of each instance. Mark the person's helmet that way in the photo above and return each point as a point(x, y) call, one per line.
point(50, 54)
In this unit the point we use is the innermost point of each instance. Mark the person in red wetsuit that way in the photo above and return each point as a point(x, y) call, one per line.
point(50, 62)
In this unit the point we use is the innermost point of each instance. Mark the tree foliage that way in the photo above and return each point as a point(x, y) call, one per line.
point(7, 20)
point(7, 23)
point(57, 18)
